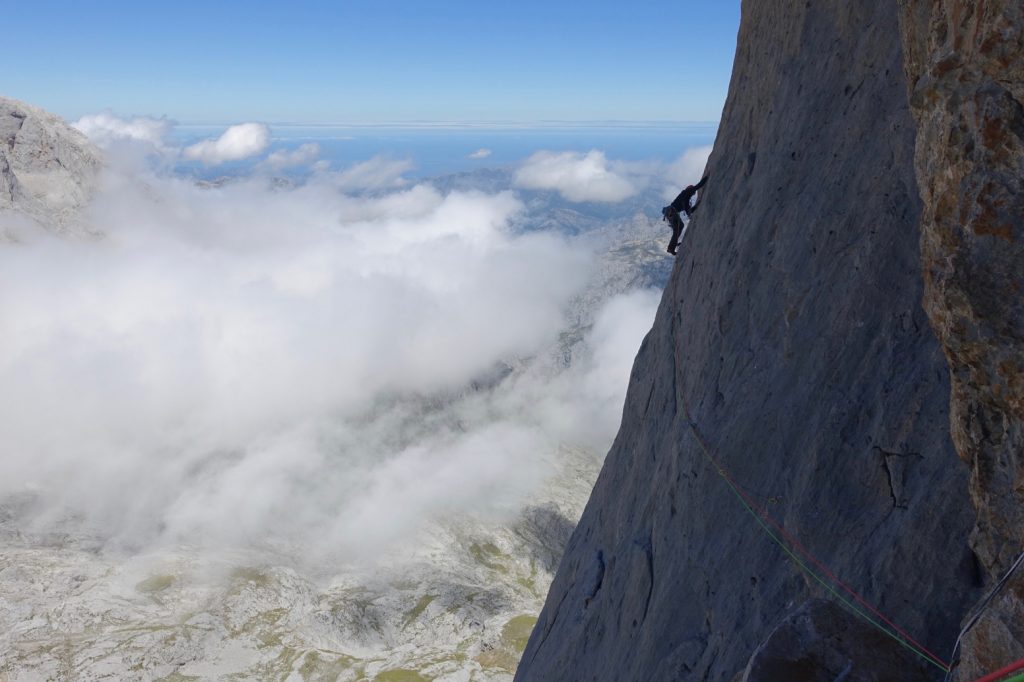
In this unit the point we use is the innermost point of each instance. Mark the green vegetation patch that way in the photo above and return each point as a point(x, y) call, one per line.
point(516, 632)
point(531, 582)
point(316, 669)
point(263, 627)
point(400, 675)
point(488, 555)
point(248, 574)
point(514, 636)
point(417, 611)
point(154, 584)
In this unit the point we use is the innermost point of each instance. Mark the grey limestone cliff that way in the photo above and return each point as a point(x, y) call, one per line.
point(793, 327)
point(48, 170)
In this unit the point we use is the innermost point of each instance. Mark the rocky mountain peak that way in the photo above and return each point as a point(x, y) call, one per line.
point(48, 170)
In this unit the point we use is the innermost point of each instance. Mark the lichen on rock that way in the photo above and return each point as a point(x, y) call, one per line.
point(965, 74)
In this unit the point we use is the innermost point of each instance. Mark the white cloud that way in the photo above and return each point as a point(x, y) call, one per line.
point(686, 170)
point(577, 177)
point(237, 142)
point(593, 177)
point(105, 129)
point(479, 154)
point(584, 404)
point(377, 173)
point(304, 155)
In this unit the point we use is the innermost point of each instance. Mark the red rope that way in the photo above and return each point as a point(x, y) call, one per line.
point(1012, 668)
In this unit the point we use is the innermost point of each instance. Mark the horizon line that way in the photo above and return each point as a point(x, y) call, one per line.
point(509, 124)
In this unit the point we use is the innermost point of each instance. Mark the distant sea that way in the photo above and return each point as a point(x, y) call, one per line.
point(439, 149)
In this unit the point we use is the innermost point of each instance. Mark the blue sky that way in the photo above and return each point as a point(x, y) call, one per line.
point(367, 61)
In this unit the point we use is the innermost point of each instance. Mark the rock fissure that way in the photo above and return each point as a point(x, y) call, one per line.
point(12, 134)
point(648, 551)
point(896, 466)
point(598, 579)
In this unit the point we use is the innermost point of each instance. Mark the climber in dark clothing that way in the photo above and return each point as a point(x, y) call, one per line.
point(680, 204)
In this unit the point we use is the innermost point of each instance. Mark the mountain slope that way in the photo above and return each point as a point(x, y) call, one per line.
point(793, 327)
point(47, 168)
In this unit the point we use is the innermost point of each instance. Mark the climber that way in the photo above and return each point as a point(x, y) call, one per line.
point(680, 203)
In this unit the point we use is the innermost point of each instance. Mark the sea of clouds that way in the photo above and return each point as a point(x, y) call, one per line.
point(253, 364)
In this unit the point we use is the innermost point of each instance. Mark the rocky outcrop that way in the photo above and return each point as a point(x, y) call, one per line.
point(965, 71)
point(47, 168)
point(793, 328)
point(822, 643)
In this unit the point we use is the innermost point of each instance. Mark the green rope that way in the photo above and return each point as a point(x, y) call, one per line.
point(801, 564)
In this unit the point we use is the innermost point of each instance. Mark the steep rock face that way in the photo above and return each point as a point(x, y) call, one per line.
point(819, 643)
point(47, 168)
point(793, 328)
point(965, 72)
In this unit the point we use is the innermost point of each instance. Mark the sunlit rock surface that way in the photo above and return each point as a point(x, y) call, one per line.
point(48, 170)
point(965, 73)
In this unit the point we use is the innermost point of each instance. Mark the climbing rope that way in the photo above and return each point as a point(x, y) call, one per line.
point(766, 523)
point(997, 675)
point(980, 609)
point(1016, 678)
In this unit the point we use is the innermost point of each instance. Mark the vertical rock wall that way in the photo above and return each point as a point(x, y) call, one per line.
point(793, 326)
point(965, 72)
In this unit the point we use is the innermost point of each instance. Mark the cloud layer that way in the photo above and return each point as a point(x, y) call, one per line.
point(236, 143)
point(303, 155)
point(592, 177)
point(250, 365)
point(378, 173)
point(576, 176)
point(318, 366)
